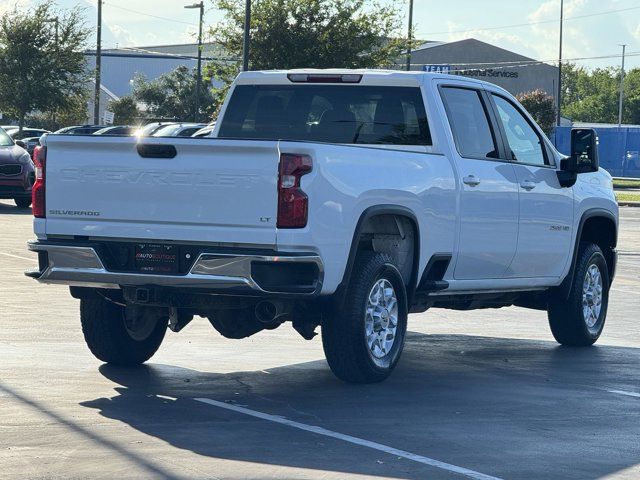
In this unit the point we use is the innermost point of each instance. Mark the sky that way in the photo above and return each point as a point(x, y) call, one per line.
point(593, 28)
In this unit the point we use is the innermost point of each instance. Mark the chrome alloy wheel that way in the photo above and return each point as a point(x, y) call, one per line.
point(592, 296)
point(381, 319)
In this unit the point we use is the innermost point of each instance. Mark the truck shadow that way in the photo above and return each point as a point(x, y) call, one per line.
point(7, 207)
point(510, 408)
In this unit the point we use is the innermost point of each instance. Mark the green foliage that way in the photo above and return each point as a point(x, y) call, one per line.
point(172, 95)
point(312, 33)
point(289, 34)
point(125, 111)
point(541, 107)
point(73, 113)
point(593, 96)
point(39, 72)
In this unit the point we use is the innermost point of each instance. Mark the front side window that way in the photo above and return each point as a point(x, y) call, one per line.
point(469, 123)
point(524, 142)
point(350, 114)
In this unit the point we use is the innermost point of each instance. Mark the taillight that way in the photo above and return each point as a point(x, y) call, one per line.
point(293, 203)
point(38, 190)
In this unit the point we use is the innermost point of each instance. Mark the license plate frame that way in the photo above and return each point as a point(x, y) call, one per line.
point(156, 258)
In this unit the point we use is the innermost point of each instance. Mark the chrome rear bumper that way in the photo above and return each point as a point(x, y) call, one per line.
point(215, 272)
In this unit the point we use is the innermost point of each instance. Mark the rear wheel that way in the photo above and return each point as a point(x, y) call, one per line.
point(579, 319)
point(122, 335)
point(363, 340)
point(23, 202)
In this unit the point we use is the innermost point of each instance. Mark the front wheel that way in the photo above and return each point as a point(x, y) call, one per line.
point(579, 319)
point(363, 340)
point(122, 335)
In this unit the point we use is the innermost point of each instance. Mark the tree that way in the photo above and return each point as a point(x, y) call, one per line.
point(125, 111)
point(289, 34)
point(42, 66)
point(541, 107)
point(172, 95)
point(73, 113)
point(593, 96)
point(312, 33)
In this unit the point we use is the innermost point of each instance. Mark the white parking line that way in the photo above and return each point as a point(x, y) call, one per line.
point(623, 392)
point(19, 257)
point(348, 438)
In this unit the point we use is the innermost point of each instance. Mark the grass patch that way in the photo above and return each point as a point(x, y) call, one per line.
point(628, 197)
point(626, 183)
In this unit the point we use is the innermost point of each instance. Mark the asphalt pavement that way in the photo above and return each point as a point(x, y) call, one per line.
point(484, 394)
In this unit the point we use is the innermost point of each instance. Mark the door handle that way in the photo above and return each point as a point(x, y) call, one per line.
point(471, 180)
point(528, 185)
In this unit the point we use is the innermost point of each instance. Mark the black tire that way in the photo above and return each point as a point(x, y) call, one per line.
point(567, 316)
point(104, 325)
point(23, 202)
point(344, 332)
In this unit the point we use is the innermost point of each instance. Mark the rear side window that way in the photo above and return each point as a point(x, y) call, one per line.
point(469, 122)
point(327, 113)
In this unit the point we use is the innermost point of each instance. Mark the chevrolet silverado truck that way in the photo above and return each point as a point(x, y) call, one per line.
point(343, 200)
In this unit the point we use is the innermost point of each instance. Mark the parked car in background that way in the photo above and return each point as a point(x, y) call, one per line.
point(179, 130)
point(206, 131)
point(17, 173)
point(26, 132)
point(126, 130)
point(29, 144)
point(152, 128)
point(80, 129)
point(6, 128)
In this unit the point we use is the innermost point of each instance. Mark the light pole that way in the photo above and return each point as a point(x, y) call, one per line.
point(56, 21)
point(199, 74)
point(96, 95)
point(247, 38)
point(624, 47)
point(559, 114)
point(410, 35)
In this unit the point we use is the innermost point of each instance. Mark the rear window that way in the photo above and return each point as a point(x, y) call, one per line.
point(327, 113)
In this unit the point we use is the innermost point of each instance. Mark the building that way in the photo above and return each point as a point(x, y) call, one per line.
point(473, 58)
point(119, 67)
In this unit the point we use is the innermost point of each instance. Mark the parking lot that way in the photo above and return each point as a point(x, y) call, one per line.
point(483, 394)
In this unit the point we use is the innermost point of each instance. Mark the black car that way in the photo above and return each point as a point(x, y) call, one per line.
point(80, 130)
point(29, 144)
point(127, 130)
point(151, 128)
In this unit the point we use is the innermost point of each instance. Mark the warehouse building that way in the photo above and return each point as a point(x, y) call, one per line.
point(473, 58)
point(119, 66)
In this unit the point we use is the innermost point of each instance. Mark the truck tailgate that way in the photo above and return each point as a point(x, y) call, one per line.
point(211, 191)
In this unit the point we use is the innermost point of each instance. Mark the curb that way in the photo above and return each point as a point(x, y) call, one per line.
point(629, 204)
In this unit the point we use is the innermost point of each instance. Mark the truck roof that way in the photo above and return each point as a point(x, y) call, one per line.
point(369, 76)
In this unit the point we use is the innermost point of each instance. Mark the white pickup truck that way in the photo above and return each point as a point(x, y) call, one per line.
point(339, 199)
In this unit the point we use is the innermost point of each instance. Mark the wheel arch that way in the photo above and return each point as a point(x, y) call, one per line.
point(368, 216)
point(599, 226)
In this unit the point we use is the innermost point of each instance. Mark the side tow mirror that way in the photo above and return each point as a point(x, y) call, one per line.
point(21, 144)
point(584, 151)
